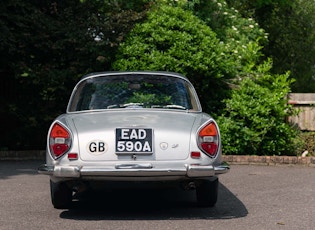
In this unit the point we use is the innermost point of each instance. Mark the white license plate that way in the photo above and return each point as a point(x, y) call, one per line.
point(134, 140)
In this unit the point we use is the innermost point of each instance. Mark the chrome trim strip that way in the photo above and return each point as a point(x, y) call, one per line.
point(133, 166)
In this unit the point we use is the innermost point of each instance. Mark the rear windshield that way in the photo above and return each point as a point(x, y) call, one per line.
point(133, 91)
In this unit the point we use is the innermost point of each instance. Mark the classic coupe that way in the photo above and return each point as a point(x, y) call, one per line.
point(133, 127)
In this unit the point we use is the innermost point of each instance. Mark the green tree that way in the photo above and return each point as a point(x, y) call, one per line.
point(45, 48)
point(237, 31)
point(173, 39)
point(179, 37)
point(291, 36)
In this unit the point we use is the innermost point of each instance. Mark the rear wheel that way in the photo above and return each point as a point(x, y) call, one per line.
point(61, 195)
point(207, 192)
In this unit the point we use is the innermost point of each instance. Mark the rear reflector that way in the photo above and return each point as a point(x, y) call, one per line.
point(195, 154)
point(72, 156)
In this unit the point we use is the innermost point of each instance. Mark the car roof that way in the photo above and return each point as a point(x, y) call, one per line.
point(108, 73)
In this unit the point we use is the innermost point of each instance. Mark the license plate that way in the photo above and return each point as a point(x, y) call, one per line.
point(134, 140)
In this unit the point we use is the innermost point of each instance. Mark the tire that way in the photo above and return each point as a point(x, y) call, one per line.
point(61, 195)
point(207, 192)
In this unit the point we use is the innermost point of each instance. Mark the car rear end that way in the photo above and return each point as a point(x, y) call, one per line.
point(132, 142)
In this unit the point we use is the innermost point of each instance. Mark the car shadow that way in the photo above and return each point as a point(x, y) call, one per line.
point(149, 204)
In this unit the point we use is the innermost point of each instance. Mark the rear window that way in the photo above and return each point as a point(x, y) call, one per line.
point(133, 91)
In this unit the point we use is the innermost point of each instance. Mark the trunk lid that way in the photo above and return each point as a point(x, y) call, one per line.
point(121, 135)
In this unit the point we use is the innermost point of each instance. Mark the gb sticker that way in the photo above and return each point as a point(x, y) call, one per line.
point(97, 147)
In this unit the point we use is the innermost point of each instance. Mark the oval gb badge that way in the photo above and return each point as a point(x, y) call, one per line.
point(97, 147)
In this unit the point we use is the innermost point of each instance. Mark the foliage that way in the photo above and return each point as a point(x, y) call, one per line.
point(291, 34)
point(46, 46)
point(250, 7)
point(150, 99)
point(224, 51)
point(242, 37)
point(173, 39)
point(292, 47)
point(254, 119)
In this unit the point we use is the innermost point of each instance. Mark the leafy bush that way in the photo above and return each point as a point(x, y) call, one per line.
point(253, 121)
point(172, 39)
point(179, 37)
point(204, 40)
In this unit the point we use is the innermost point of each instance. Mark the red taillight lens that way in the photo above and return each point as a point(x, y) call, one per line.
point(208, 139)
point(59, 140)
point(59, 131)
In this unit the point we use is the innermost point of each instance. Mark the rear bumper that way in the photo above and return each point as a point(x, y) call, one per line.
point(133, 171)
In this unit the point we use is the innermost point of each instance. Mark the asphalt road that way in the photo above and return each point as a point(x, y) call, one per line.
point(250, 197)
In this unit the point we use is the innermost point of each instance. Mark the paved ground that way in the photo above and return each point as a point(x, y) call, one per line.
point(251, 197)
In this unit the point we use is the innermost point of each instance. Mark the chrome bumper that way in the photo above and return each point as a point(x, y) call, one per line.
point(132, 170)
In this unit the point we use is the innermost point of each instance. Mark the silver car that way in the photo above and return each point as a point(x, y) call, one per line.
point(133, 127)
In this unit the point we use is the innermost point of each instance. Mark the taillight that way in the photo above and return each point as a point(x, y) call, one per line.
point(208, 139)
point(59, 140)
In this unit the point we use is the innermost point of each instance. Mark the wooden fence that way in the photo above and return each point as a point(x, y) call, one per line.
point(305, 103)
